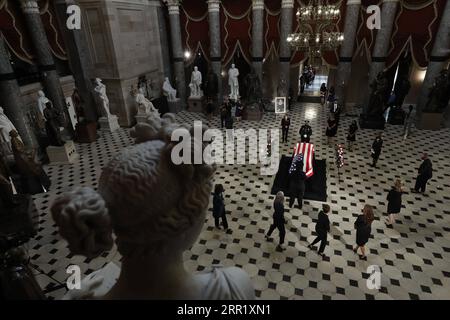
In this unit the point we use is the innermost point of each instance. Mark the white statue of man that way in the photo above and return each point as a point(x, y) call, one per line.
point(6, 127)
point(100, 90)
point(169, 91)
point(42, 100)
point(233, 82)
point(145, 107)
point(196, 81)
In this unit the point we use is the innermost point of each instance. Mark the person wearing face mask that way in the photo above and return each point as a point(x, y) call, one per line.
point(285, 123)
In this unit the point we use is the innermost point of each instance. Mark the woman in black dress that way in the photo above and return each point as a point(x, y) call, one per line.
point(394, 199)
point(219, 207)
point(351, 137)
point(376, 149)
point(363, 230)
point(278, 219)
point(331, 129)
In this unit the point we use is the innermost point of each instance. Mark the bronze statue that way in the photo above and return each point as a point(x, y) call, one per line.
point(212, 85)
point(378, 95)
point(253, 86)
point(52, 125)
point(401, 90)
point(439, 93)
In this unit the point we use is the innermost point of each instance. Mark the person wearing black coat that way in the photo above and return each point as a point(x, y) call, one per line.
point(219, 207)
point(425, 174)
point(285, 123)
point(322, 228)
point(376, 149)
point(278, 219)
point(351, 137)
point(297, 185)
point(363, 230)
point(305, 132)
point(394, 199)
point(331, 130)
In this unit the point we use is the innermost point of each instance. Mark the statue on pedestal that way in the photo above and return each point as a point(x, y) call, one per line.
point(439, 93)
point(233, 82)
point(78, 104)
point(144, 106)
point(100, 90)
point(156, 210)
point(52, 125)
point(196, 81)
point(42, 100)
point(169, 91)
point(6, 127)
point(253, 86)
point(380, 88)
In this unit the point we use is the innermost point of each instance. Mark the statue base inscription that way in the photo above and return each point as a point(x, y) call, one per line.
point(62, 155)
point(109, 124)
point(196, 104)
point(430, 121)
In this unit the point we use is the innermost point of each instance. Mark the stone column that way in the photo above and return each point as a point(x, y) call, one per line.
point(346, 52)
point(44, 57)
point(287, 13)
point(164, 41)
point(11, 100)
point(382, 42)
point(258, 36)
point(78, 54)
point(177, 49)
point(440, 55)
point(215, 52)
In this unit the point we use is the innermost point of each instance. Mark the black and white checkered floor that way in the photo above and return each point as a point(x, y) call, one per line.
point(414, 256)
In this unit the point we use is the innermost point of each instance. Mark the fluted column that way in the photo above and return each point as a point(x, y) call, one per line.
point(163, 36)
point(346, 51)
point(11, 100)
point(80, 63)
point(215, 52)
point(438, 60)
point(46, 63)
point(177, 49)
point(382, 42)
point(257, 36)
point(287, 13)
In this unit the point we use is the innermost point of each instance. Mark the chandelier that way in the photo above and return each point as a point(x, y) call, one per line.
point(316, 22)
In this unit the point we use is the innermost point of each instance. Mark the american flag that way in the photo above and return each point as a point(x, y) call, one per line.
point(297, 158)
point(307, 149)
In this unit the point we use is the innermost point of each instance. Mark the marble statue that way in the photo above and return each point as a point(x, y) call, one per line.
point(42, 100)
point(52, 125)
point(233, 82)
point(156, 209)
point(78, 103)
point(169, 91)
point(253, 86)
point(196, 82)
point(144, 106)
point(6, 189)
point(380, 88)
point(439, 93)
point(100, 90)
point(6, 127)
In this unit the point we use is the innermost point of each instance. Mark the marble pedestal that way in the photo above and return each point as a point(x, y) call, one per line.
point(109, 124)
point(174, 106)
point(141, 118)
point(64, 154)
point(86, 132)
point(430, 121)
point(196, 104)
point(252, 113)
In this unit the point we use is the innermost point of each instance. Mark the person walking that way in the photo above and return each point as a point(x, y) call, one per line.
point(425, 174)
point(331, 129)
point(224, 110)
point(285, 123)
point(394, 199)
point(219, 207)
point(363, 226)
point(278, 219)
point(296, 181)
point(323, 93)
point(376, 149)
point(229, 126)
point(351, 136)
point(322, 228)
point(305, 132)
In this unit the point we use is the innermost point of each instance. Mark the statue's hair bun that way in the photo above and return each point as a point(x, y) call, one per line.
point(83, 220)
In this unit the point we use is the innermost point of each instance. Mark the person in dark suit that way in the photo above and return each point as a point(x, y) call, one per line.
point(376, 149)
point(322, 228)
point(219, 207)
point(305, 132)
point(351, 136)
point(285, 123)
point(224, 111)
point(363, 226)
point(331, 131)
point(394, 199)
point(297, 184)
point(425, 174)
point(278, 219)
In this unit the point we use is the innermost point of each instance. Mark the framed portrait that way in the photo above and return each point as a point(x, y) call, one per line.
point(280, 105)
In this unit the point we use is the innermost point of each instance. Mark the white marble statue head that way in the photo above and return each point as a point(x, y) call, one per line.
point(195, 68)
point(232, 66)
point(1, 110)
point(41, 94)
point(152, 205)
point(141, 90)
point(98, 81)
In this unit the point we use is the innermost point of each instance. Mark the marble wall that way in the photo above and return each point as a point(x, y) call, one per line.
point(124, 44)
